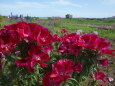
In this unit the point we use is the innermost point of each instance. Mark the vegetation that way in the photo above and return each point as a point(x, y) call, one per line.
point(22, 76)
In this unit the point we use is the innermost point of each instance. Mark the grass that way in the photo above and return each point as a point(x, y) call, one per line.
point(72, 25)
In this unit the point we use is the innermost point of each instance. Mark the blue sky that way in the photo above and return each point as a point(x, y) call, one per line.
point(49, 8)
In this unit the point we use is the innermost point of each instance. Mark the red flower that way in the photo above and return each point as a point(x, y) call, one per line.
point(8, 40)
point(34, 31)
point(38, 56)
point(23, 29)
point(56, 38)
point(78, 67)
point(70, 44)
point(92, 41)
point(64, 30)
point(100, 76)
point(102, 44)
point(89, 40)
point(47, 48)
point(61, 71)
point(11, 26)
point(44, 37)
point(63, 68)
point(35, 56)
point(27, 63)
point(108, 51)
point(103, 62)
point(50, 80)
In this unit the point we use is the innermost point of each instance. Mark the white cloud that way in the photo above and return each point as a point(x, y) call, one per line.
point(32, 4)
point(64, 2)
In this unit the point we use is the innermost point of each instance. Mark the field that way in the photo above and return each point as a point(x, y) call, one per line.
point(72, 25)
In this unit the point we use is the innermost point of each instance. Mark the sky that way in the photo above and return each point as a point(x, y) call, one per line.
point(59, 8)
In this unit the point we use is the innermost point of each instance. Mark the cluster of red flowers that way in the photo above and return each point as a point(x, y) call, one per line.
point(61, 71)
point(74, 43)
point(40, 40)
point(30, 33)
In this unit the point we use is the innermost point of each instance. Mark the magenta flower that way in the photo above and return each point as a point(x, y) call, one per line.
point(100, 76)
point(51, 80)
point(62, 68)
point(27, 63)
point(89, 40)
point(47, 48)
point(23, 29)
point(38, 56)
point(104, 62)
point(108, 51)
point(33, 31)
point(102, 44)
point(70, 44)
point(78, 67)
point(8, 40)
point(11, 26)
point(56, 38)
point(44, 38)
point(61, 71)
point(64, 30)
point(35, 56)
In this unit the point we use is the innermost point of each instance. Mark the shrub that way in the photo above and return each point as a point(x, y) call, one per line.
point(31, 56)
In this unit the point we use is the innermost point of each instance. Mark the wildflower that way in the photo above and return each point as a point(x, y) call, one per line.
point(8, 40)
point(78, 67)
point(49, 80)
point(95, 32)
point(27, 63)
point(108, 51)
point(70, 44)
point(100, 76)
point(89, 40)
point(62, 68)
point(104, 62)
point(64, 30)
point(61, 71)
point(110, 79)
point(103, 27)
point(79, 32)
point(35, 56)
point(47, 48)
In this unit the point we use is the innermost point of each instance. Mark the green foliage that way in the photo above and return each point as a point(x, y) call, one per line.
point(1, 17)
point(14, 76)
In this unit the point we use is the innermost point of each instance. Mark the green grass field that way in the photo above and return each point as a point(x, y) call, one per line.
point(72, 25)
